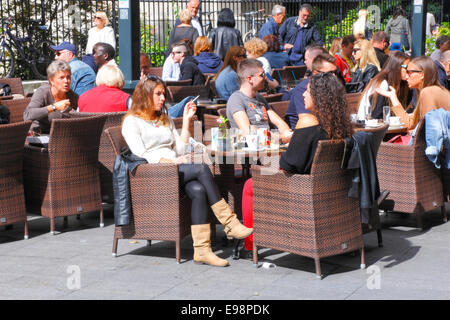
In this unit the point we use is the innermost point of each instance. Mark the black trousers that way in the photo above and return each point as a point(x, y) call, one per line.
point(200, 187)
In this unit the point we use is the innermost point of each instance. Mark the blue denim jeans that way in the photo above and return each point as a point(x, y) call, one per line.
point(177, 110)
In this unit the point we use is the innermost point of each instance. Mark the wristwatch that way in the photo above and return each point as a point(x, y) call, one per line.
point(53, 107)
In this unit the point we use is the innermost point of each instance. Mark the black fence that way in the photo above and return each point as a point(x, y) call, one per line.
point(70, 20)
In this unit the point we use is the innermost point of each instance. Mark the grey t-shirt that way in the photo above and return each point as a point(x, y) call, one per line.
point(256, 109)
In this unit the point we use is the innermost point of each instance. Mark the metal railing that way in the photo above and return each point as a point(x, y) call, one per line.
point(70, 20)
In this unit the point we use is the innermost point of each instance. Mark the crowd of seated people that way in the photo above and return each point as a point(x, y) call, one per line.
point(317, 108)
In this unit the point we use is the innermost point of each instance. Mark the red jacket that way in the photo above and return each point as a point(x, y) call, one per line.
point(343, 66)
point(103, 99)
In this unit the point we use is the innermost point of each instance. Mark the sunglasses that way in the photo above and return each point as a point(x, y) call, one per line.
point(242, 56)
point(409, 72)
point(262, 75)
point(356, 50)
point(95, 17)
point(404, 66)
point(152, 77)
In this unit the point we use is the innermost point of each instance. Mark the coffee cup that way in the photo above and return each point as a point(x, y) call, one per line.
point(252, 141)
point(372, 122)
point(394, 121)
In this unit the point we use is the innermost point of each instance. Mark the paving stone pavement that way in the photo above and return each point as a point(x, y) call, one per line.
point(412, 264)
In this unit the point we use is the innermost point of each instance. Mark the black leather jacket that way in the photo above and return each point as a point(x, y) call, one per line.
point(360, 157)
point(125, 162)
point(222, 38)
point(364, 77)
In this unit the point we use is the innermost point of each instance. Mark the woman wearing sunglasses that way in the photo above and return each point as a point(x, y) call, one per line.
point(151, 134)
point(421, 74)
point(367, 65)
point(100, 33)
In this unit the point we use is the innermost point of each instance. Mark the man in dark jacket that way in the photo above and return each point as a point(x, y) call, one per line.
point(380, 42)
point(188, 65)
point(297, 33)
point(274, 22)
point(443, 69)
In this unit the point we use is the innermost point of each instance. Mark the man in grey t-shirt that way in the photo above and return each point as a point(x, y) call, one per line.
point(247, 109)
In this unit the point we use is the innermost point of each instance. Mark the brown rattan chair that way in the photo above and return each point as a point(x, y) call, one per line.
point(280, 107)
point(156, 71)
point(63, 179)
point(353, 102)
point(414, 183)
point(106, 154)
point(309, 215)
point(160, 211)
point(178, 82)
point(12, 199)
point(16, 107)
point(178, 93)
point(275, 97)
point(297, 72)
point(15, 84)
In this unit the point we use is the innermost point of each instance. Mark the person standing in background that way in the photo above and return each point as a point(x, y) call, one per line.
point(274, 22)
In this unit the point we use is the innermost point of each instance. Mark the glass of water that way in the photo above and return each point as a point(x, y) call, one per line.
point(386, 114)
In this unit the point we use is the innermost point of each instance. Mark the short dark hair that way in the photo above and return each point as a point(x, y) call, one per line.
point(307, 7)
point(441, 40)
point(380, 36)
point(245, 66)
point(106, 48)
point(181, 44)
point(320, 59)
point(315, 48)
point(226, 18)
point(348, 39)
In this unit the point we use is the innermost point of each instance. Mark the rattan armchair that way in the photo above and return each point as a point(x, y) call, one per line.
point(309, 215)
point(160, 210)
point(106, 153)
point(12, 200)
point(414, 183)
point(16, 107)
point(63, 179)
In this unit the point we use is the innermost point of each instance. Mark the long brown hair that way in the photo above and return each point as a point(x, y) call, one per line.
point(392, 73)
point(330, 105)
point(143, 105)
point(229, 61)
point(430, 78)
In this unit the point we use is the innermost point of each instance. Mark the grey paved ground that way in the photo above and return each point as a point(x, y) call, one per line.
point(413, 264)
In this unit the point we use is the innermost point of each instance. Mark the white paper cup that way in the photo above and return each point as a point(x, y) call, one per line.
point(394, 121)
point(252, 141)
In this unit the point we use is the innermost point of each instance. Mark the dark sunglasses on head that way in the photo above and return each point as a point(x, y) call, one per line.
point(242, 56)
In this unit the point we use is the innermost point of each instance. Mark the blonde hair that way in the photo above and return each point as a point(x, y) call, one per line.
point(202, 44)
point(103, 16)
point(368, 55)
point(335, 46)
point(185, 16)
point(256, 47)
point(110, 76)
point(359, 27)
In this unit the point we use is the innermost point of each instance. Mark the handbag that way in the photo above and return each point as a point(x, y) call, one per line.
point(399, 139)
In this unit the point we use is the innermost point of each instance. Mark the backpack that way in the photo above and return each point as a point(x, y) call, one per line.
point(5, 89)
point(404, 37)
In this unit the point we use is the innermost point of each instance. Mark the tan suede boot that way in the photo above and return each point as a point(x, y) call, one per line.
point(201, 235)
point(233, 227)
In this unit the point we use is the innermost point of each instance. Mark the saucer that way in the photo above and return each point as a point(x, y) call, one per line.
point(396, 126)
point(374, 125)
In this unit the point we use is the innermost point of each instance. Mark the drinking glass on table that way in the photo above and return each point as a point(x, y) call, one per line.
point(386, 114)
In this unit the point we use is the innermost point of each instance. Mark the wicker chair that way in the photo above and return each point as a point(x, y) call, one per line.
point(280, 107)
point(106, 154)
point(275, 97)
point(297, 72)
point(178, 93)
point(309, 215)
point(178, 82)
point(15, 84)
point(16, 107)
point(63, 180)
point(353, 102)
point(12, 199)
point(414, 183)
point(156, 71)
point(154, 190)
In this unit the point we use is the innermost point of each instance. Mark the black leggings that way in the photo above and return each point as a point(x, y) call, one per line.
point(200, 187)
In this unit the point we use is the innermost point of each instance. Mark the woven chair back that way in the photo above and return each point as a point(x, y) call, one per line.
point(16, 107)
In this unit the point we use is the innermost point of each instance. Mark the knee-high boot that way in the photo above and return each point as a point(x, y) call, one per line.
point(233, 227)
point(201, 235)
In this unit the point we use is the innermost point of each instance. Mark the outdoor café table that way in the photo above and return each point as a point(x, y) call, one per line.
point(209, 107)
point(391, 131)
point(245, 157)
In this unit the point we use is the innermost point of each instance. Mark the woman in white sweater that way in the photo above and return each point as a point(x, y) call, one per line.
point(151, 134)
point(100, 33)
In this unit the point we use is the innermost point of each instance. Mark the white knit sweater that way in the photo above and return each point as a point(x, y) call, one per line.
point(151, 141)
point(104, 35)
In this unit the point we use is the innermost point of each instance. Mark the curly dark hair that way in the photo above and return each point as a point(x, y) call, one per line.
point(330, 105)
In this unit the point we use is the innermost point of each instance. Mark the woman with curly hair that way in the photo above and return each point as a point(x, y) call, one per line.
point(325, 99)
